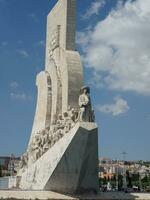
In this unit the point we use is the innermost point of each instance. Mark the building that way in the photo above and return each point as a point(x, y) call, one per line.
point(8, 165)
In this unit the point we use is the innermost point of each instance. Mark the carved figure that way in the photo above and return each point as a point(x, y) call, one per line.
point(46, 138)
point(74, 115)
point(24, 160)
point(67, 122)
point(85, 113)
point(60, 122)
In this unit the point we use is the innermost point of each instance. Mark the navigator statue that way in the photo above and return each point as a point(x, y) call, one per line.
point(86, 112)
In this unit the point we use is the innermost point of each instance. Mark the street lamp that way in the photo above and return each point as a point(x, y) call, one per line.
point(11, 165)
point(117, 183)
point(124, 171)
point(140, 182)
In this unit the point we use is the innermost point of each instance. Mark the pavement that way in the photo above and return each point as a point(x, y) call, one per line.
point(41, 195)
point(48, 195)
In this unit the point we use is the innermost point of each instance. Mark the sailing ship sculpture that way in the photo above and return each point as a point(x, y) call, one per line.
point(62, 154)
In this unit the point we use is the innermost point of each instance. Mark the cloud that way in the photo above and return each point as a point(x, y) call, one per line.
point(20, 96)
point(33, 16)
point(41, 43)
point(4, 43)
point(119, 107)
point(94, 9)
point(23, 53)
point(14, 84)
point(118, 48)
point(4, 2)
point(96, 80)
point(20, 42)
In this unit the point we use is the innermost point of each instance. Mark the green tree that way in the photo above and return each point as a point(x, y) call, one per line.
point(146, 182)
point(104, 181)
point(0, 171)
point(113, 181)
point(120, 182)
point(100, 181)
point(135, 179)
point(129, 179)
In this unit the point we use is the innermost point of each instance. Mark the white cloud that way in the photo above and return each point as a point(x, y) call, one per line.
point(33, 16)
point(14, 84)
point(96, 80)
point(4, 43)
point(23, 53)
point(20, 96)
point(119, 47)
point(94, 9)
point(20, 42)
point(119, 107)
point(41, 43)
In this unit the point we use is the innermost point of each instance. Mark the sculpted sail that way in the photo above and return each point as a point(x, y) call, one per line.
point(62, 154)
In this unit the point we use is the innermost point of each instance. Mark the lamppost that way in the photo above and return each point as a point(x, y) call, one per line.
point(117, 183)
point(140, 182)
point(124, 171)
point(11, 165)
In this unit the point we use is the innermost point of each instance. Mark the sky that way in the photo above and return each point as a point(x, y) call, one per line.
point(113, 40)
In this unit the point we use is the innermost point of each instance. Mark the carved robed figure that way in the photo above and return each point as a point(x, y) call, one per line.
point(86, 113)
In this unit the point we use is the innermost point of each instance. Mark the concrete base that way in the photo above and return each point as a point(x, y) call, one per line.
point(44, 195)
point(70, 166)
point(31, 195)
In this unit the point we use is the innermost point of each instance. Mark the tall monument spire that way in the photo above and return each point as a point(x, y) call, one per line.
point(64, 15)
point(63, 75)
point(62, 154)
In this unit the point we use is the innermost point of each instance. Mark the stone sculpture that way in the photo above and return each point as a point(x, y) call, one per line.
point(86, 112)
point(62, 154)
point(45, 139)
point(24, 160)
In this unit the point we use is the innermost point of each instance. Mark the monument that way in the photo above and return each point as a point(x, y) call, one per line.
point(62, 154)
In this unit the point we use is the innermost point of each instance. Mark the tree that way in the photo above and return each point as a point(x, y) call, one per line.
point(136, 179)
point(0, 171)
point(100, 181)
point(146, 181)
point(104, 181)
point(129, 179)
point(113, 181)
point(120, 182)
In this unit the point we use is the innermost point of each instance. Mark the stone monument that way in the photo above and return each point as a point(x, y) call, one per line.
point(62, 154)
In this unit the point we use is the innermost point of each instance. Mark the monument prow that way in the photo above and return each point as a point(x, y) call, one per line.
point(70, 166)
point(62, 154)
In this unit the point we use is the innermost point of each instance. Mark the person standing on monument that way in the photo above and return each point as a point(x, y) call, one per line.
point(85, 113)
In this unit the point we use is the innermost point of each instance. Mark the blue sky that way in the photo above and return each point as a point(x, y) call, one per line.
point(113, 39)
